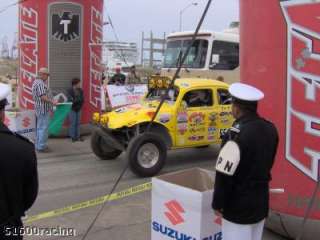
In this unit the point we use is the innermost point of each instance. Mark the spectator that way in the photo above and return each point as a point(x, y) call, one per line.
point(43, 106)
point(18, 174)
point(75, 95)
point(132, 77)
point(118, 78)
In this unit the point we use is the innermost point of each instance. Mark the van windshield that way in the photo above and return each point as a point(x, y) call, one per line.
point(196, 57)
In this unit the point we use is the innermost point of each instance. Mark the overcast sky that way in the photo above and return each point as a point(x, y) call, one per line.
point(131, 17)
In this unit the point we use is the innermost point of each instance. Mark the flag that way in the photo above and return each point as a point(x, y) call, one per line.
point(59, 116)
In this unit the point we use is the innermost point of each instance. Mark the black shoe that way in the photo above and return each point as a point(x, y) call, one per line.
point(80, 139)
point(45, 150)
point(74, 140)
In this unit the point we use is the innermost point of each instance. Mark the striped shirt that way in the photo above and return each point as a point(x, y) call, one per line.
point(39, 89)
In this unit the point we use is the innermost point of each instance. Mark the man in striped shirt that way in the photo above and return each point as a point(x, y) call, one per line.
point(43, 103)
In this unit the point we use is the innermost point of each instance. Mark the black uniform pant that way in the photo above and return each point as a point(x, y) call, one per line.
point(10, 230)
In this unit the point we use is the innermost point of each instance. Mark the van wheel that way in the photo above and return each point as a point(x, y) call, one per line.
point(101, 148)
point(147, 154)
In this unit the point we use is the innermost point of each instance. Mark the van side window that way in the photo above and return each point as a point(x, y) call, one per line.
point(228, 55)
point(199, 98)
point(224, 97)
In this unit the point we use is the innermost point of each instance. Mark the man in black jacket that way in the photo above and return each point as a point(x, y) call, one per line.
point(118, 78)
point(75, 95)
point(18, 176)
point(243, 168)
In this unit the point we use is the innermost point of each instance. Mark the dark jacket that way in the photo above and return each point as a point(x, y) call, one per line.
point(18, 177)
point(244, 197)
point(77, 98)
point(118, 79)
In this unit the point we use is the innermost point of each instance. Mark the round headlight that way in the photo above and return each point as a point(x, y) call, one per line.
point(152, 83)
point(96, 117)
point(159, 83)
point(104, 119)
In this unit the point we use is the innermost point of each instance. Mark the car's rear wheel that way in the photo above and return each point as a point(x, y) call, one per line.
point(101, 148)
point(147, 154)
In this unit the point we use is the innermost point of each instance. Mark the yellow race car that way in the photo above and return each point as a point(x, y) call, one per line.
point(194, 114)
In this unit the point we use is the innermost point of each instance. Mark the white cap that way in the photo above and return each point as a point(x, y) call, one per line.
point(4, 92)
point(245, 92)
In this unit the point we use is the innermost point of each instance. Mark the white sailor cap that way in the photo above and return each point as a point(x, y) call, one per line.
point(4, 92)
point(245, 93)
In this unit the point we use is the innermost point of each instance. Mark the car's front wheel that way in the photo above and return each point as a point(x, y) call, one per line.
point(101, 148)
point(147, 154)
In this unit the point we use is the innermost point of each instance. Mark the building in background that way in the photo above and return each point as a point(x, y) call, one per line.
point(124, 54)
point(152, 50)
point(5, 53)
point(14, 48)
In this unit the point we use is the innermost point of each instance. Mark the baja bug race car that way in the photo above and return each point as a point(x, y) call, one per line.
point(194, 114)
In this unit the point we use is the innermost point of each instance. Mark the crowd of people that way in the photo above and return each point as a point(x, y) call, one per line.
point(121, 79)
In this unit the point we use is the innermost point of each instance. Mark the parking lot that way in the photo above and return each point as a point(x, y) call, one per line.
point(71, 174)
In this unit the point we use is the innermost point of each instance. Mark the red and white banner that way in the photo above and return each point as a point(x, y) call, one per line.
point(29, 53)
point(280, 41)
point(34, 46)
point(303, 86)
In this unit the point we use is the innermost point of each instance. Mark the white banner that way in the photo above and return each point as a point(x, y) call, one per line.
point(22, 122)
point(125, 95)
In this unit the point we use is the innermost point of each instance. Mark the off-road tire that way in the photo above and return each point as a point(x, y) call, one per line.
point(101, 149)
point(132, 154)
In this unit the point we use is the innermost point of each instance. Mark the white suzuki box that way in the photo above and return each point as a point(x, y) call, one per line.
point(22, 122)
point(181, 206)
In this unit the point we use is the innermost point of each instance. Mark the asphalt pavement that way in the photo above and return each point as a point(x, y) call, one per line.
point(71, 174)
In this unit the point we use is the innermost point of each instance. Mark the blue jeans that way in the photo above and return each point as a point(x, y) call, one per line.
point(74, 130)
point(42, 131)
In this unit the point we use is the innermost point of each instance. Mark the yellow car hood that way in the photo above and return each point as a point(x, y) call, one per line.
point(137, 113)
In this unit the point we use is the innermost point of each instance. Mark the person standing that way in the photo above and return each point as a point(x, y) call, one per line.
point(132, 77)
point(18, 176)
point(243, 168)
point(43, 107)
point(118, 78)
point(75, 95)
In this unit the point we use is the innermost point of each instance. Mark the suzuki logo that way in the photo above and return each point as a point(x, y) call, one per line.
point(174, 213)
point(26, 122)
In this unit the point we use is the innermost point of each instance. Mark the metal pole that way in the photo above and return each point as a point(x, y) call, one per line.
point(151, 50)
point(142, 50)
point(182, 11)
point(180, 22)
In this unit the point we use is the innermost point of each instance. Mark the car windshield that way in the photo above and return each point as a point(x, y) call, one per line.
point(195, 59)
point(158, 93)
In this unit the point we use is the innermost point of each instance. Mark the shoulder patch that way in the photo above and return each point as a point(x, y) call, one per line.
point(234, 129)
point(228, 159)
point(23, 138)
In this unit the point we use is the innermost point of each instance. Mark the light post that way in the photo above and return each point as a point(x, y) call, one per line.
point(182, 11)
